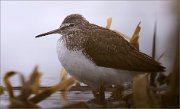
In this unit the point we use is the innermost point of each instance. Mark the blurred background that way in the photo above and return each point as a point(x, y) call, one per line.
point(21, 21)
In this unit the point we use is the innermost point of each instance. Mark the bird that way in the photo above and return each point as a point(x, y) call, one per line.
point(96, 55)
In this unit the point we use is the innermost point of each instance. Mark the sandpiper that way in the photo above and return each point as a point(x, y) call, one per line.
point(96, 55)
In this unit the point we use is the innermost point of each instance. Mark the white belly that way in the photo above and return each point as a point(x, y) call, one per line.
point(86, 71)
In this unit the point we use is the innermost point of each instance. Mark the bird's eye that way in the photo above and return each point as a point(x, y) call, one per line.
point(67, 26)
point(71, 25)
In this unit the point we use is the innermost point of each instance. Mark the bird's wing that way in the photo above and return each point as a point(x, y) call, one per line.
point(108, 49)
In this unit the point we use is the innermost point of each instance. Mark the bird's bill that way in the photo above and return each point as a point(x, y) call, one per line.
point(48, 33)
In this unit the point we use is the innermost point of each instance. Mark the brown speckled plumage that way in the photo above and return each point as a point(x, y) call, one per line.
point(104, 47)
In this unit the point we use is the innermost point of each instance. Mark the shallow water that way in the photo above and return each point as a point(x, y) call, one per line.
point(54, 100)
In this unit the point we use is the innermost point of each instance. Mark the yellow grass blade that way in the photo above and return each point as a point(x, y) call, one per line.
point(135, 38)
point(108, 24)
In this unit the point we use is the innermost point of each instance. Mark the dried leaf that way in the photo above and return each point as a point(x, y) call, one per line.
point(20, 101)
point(135, 38)
point(47, 92)
point(35, 85)
point(23, 100)
point(30, 86)
point(26, 90)
point(33, 75)
point(142, 94)
point(109, 21)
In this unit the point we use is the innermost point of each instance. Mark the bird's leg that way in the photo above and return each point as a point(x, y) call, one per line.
point(117, 93)
point(152, 79)
point(100, 95)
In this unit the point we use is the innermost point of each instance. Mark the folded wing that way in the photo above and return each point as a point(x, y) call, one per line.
point(108, 49)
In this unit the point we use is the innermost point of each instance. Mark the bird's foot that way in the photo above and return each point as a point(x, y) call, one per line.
point(123, 96)
point(117, 93)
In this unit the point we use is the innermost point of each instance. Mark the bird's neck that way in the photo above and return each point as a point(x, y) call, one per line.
point(74, 40)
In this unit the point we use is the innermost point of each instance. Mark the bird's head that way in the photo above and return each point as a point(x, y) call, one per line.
point(70, 23)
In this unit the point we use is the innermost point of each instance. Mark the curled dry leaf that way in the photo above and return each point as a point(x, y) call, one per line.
point(21, 100)
point(32, 86)
point(8, 84)
point(143, 96)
